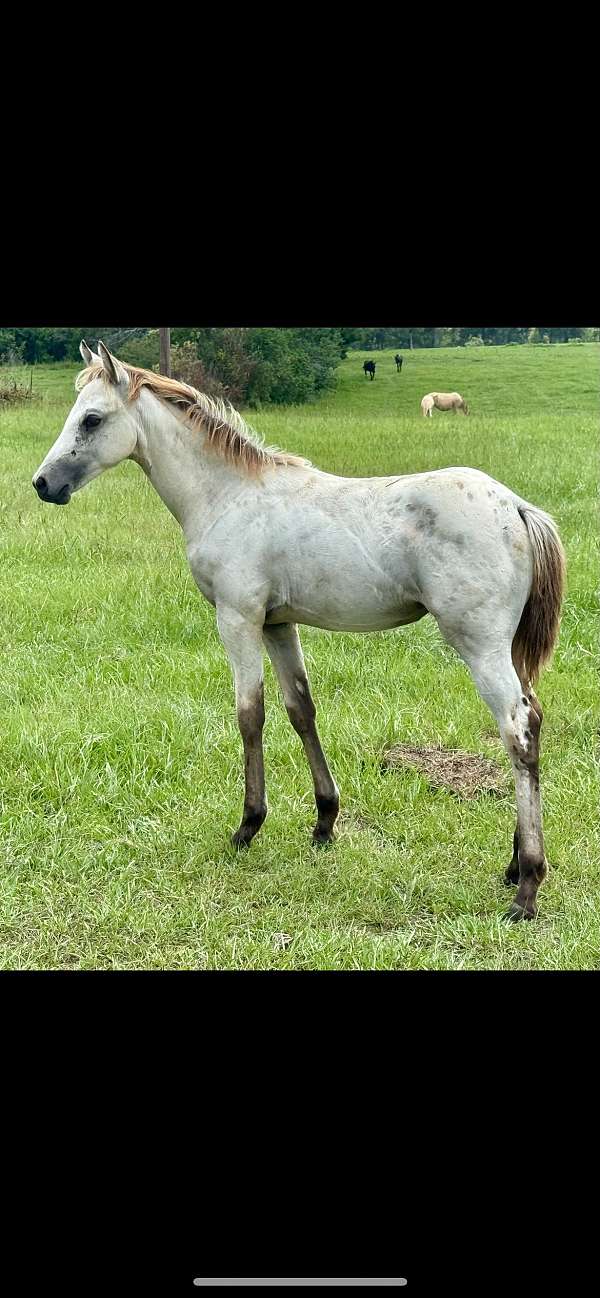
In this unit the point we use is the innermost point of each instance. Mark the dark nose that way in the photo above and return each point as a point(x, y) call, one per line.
point(41, 487)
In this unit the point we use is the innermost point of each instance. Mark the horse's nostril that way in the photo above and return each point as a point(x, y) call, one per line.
point(41, 486)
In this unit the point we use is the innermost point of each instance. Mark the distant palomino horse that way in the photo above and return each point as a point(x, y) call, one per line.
point(443, 401)
point(273, 541)
point(369, 368)
point(398, 360)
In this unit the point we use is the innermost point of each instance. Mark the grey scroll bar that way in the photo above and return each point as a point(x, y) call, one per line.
point(206, 1283)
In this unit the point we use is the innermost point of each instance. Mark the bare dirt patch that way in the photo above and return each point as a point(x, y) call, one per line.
point(467, 775)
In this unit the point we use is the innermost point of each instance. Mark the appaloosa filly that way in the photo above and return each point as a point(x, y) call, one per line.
point(273, 541)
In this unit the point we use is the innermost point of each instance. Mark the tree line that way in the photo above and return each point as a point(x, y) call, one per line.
point(382, 339)
point(252, 366)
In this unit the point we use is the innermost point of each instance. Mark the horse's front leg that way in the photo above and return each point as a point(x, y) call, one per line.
point(285, 651)
point(243, 643)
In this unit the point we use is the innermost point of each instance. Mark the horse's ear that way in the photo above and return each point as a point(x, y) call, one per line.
point(86, 353)
point(113, 368)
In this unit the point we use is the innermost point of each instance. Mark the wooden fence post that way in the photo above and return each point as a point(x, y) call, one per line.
point(165, 351)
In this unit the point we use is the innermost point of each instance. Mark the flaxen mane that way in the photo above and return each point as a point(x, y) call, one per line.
point(225, 430)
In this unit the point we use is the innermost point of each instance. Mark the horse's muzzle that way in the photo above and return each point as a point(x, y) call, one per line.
point(61, 497)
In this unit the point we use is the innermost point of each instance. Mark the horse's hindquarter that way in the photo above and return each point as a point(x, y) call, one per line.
point(473, 565)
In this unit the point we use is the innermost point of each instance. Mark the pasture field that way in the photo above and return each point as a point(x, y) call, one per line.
point(121, 763)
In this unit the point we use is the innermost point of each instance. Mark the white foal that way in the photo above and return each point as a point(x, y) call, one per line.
point(273, 541)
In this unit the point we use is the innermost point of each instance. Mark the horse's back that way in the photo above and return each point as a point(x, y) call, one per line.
point(446, 400)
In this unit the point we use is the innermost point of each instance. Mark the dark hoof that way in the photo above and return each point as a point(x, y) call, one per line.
point(515, 913)
point(511, 877)
point(241, 839)
point(322, 837)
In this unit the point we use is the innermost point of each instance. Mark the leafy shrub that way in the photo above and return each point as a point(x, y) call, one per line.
point(188, 368)
point(143, 352)
point(258, 365)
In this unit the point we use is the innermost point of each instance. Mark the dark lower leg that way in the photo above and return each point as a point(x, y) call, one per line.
point(285, 651)
point(251, 719)
point(302, 716)
point(529, 840)
point(532, 871)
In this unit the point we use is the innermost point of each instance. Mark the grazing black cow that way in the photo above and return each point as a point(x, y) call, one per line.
point(369, 368)
point(398, 360)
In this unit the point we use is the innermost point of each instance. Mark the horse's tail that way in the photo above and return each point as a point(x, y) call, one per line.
point(537, 631)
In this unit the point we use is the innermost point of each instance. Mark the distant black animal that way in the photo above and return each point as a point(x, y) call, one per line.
point(369, 368)
point(398, 360)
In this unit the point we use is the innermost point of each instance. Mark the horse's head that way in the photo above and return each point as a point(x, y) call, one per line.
point(100, 431)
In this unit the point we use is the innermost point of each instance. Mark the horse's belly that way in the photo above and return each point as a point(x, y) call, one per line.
point(377, 622)
point(355, 616)
point(342, 579)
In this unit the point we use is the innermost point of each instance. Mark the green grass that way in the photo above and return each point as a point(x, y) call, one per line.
point(120, 756)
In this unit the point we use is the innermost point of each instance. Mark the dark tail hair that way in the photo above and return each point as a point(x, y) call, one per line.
point(537, 631)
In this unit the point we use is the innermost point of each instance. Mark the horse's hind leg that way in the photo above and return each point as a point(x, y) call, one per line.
point(511, 876)
point(243, 643)
point(285, 651)
point(519, 718)
point(525, 756)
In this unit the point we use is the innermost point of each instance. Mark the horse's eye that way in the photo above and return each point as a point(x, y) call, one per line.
point(92, 421)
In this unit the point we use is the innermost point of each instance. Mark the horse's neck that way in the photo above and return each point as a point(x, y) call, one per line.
point(173, 459)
